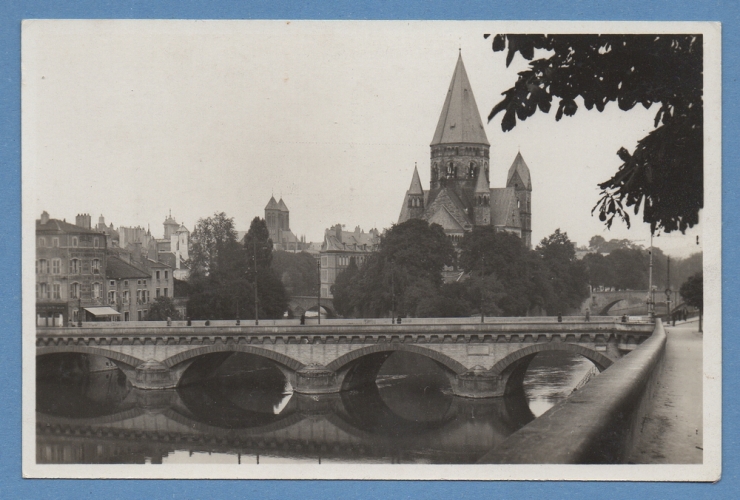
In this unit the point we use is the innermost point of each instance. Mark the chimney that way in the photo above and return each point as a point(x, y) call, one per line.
point(83, 221)
point(44, 217)
point(338, 232)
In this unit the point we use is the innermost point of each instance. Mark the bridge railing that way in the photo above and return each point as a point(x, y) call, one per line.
point(350, 322)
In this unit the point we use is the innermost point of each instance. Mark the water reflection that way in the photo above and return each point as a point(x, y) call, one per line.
point(247, 414)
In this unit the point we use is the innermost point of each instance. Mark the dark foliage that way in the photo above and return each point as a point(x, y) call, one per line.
point(222, 279)
point(664, 174)
point(297, 271)
point(692, 291)
point(161, 309)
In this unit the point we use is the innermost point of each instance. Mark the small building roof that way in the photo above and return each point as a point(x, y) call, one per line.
point(504, 208)
point(116, 269)
point(59, 226)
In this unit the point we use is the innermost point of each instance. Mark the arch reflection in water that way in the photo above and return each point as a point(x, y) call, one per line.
point(243, 407)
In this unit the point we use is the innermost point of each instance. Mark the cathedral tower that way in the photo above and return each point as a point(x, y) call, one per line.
point(519, 179)
point(460, 148)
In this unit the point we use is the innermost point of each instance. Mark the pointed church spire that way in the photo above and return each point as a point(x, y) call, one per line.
point(415, 187)
point(520, 168)
point(460, 120)
point(481, 185)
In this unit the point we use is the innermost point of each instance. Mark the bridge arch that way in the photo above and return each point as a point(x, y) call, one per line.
point(281, 359)
point(118, 357)
point(600, 360)
point(605, 310)
point(444, 360)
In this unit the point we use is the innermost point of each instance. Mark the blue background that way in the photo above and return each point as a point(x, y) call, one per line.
point(11, 14)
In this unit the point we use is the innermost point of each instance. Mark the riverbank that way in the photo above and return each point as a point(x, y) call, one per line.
point(672, 429)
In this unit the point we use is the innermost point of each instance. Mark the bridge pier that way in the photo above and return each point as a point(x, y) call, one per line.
point(478, 383)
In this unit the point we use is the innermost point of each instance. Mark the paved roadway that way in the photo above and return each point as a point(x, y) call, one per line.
point(672, 429)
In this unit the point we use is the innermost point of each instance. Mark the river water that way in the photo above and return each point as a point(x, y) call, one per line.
point(248, 414)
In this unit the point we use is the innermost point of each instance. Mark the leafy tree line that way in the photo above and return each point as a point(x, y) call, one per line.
point(224, 272)
point(501, 276)
point(297, 271)
point(622, 265)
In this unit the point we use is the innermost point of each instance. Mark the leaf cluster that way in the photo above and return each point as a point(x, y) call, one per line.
point(664, 174)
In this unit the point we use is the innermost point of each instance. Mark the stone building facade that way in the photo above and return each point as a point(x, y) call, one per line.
point(339, 247)
point(459, 195)
point(71, 263)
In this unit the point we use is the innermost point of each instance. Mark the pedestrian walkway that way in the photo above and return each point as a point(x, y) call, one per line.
point(672, 429)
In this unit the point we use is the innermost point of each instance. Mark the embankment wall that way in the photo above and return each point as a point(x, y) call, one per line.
point(599, 424)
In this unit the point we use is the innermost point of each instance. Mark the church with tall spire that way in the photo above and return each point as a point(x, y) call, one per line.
point(459, 195)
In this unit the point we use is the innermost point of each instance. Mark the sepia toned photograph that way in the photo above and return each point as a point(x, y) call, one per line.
point(371, 250)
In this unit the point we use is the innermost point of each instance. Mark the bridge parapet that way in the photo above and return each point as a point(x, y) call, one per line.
point(335, 350)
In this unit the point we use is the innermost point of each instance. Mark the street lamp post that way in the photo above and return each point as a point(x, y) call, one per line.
point(393, 294)
point(318, 295)
point(256, 299)
point(482, 269)
point(651, 295)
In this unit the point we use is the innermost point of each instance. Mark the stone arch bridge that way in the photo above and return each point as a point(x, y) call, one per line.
point(481, 359)
point(299, 304)
point(622, 302)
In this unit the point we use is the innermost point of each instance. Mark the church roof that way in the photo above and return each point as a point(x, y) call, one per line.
point(415, 187)
point(481, 185)
point(460, 120)
point(182, 229)
point(503, 207)
point(272, 204)
point(519, 167)
point(447, 199)
point(282, 206)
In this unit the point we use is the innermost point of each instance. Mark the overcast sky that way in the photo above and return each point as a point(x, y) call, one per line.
point(133, 119)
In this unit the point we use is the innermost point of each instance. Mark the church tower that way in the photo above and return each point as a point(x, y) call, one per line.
point(482, 208)
point(415, 197)
point(273, 219)
point(460, 148)
point(519, 179)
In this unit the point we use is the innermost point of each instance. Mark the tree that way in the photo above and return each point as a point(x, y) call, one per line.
point(567, 275)
point(271, 297)
point(342, 289)
point(510, 276)
point(223, 274)
point(692, 292)
point(664, 173)
point(161, 309)
point(297, 271)
point(406, 268)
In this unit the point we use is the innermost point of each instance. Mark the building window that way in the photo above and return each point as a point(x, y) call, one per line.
point(96, 291)
point(43, 266)
point(75, 241)
point(96, 266)
point(42, 242)
point(112, 283)
point(166, 292)
point(125, 282)
point(166, 275)
point(157, 274)
point(74, 291)
point(55, 242)
point(157, 293)
point(57, 291)
point(74, 266)
point(323, 261)
point(95, 242)
point(139, 316)
point(138, 282)
point(143, 282)
point(56, 266)
point(112, 297)
point(125, 297)
point(44, 291)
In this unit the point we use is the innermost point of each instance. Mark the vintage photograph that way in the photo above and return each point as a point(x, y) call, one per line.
point(371, 249)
